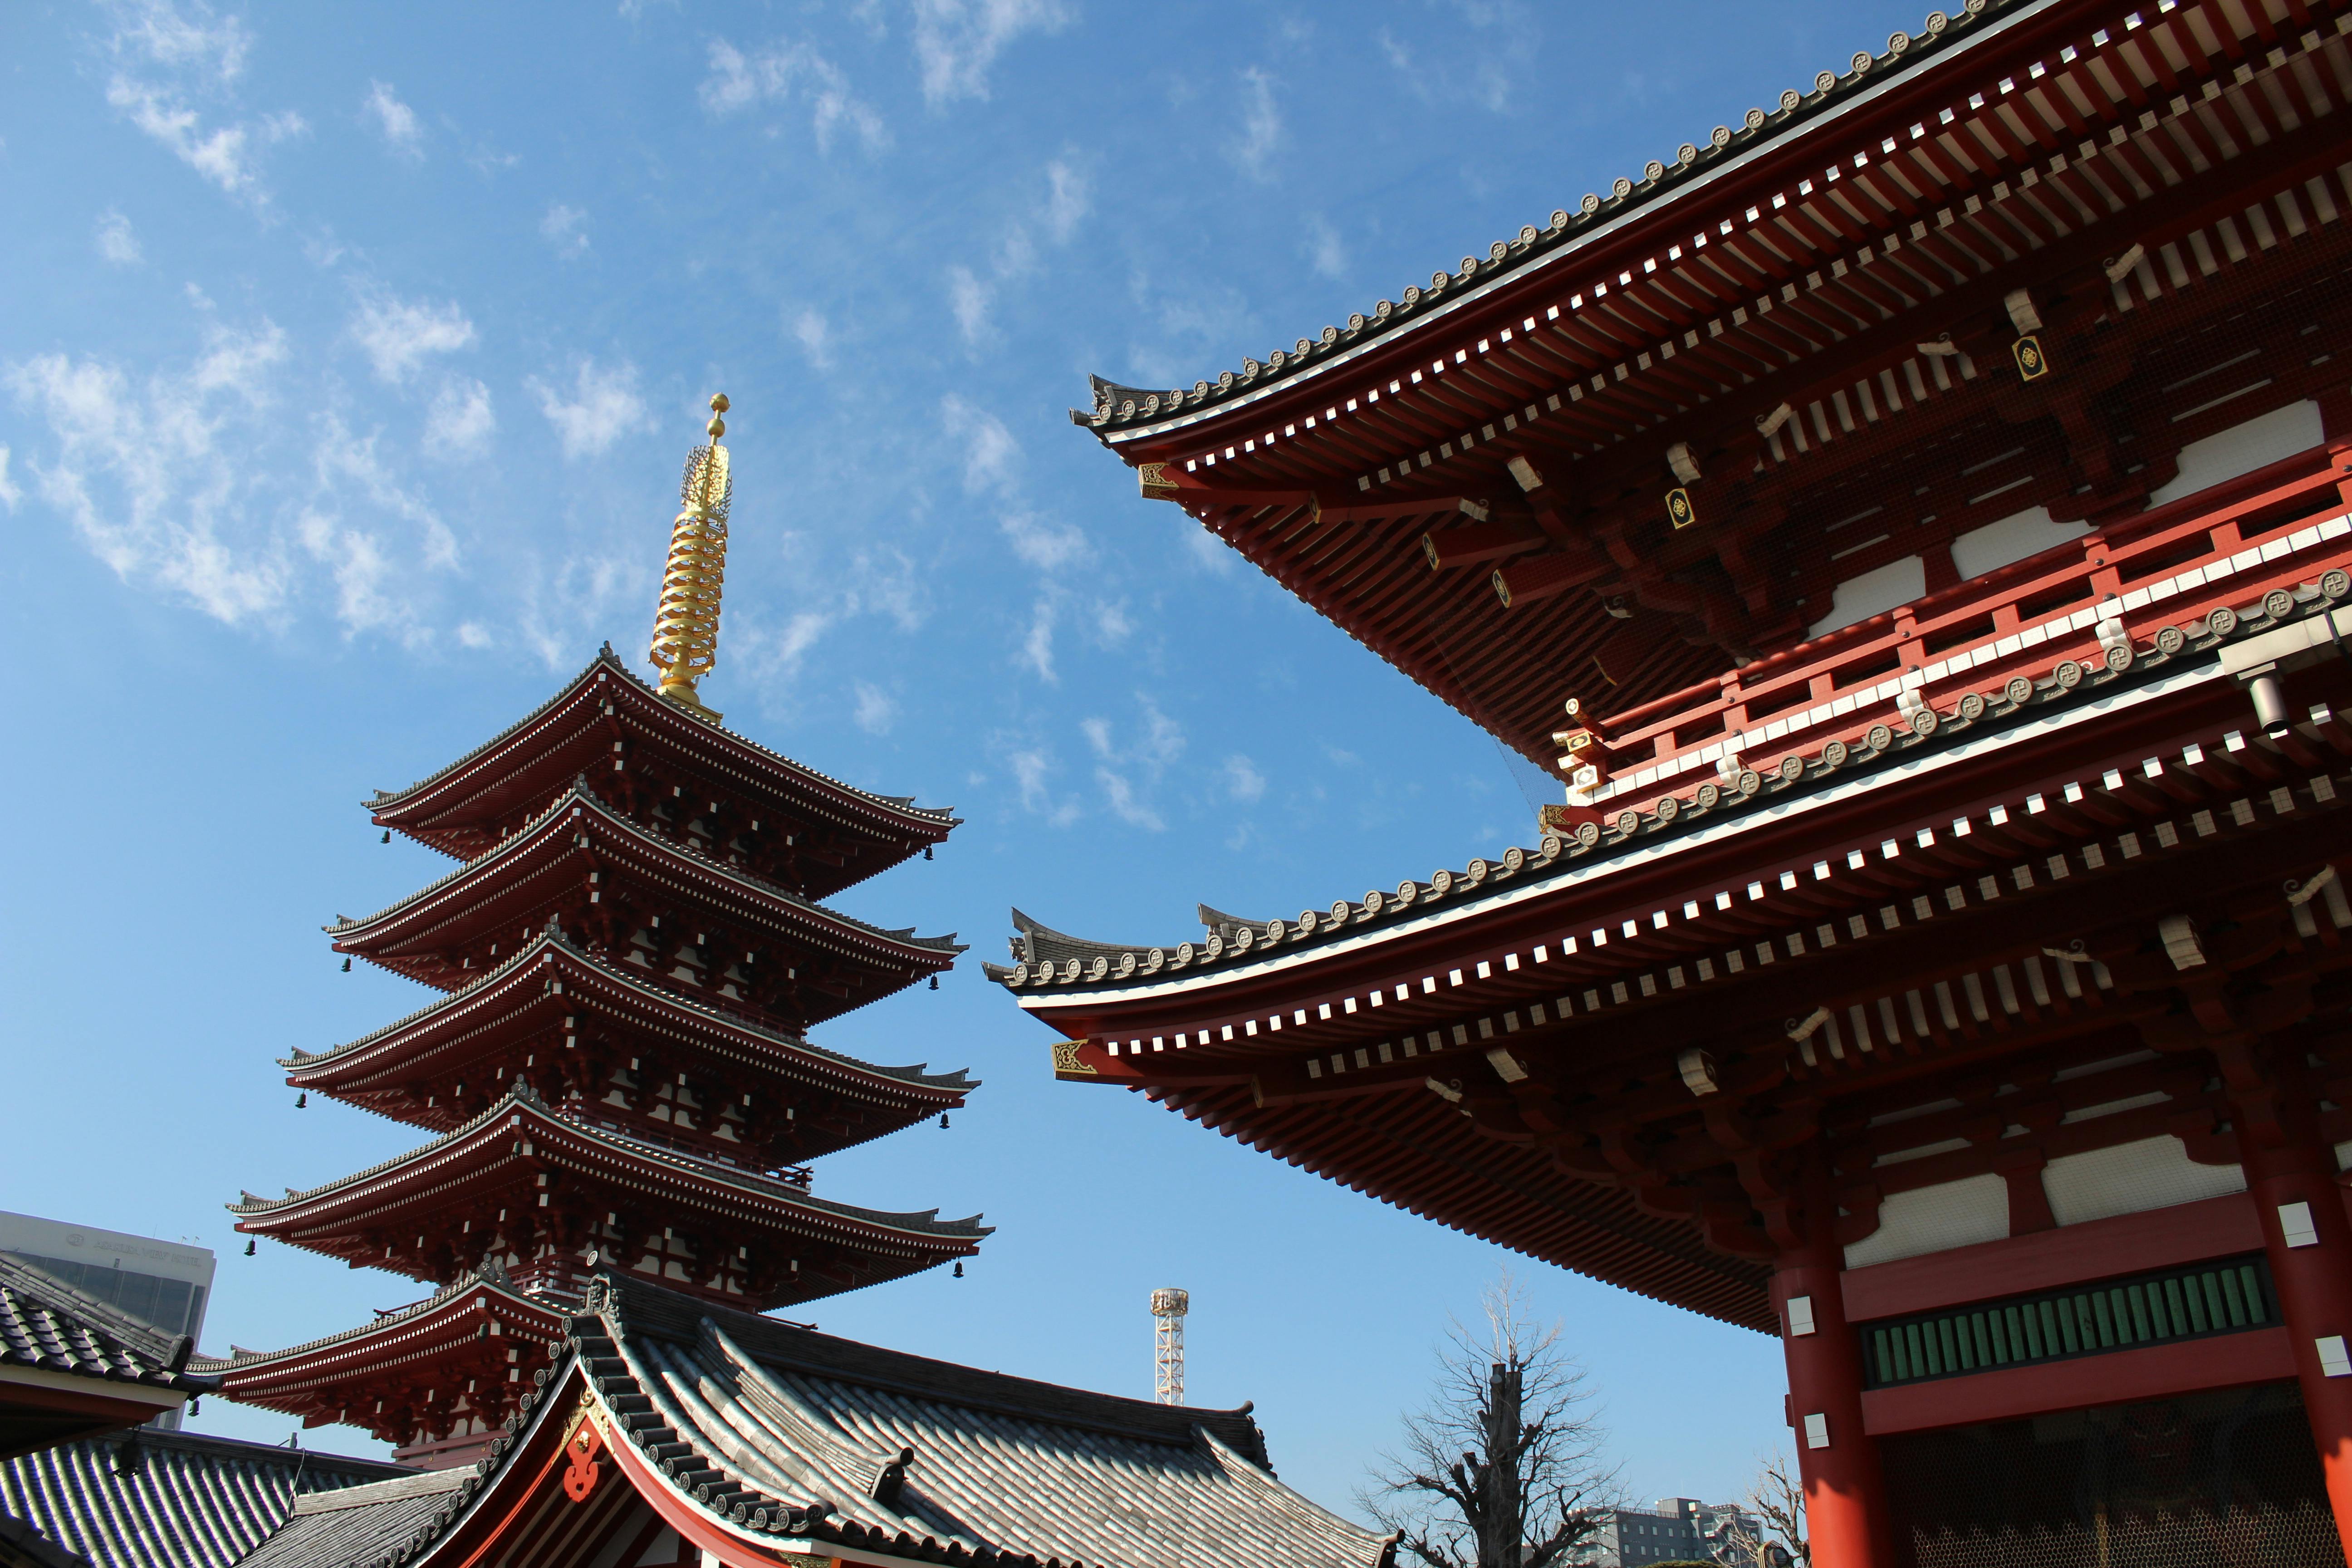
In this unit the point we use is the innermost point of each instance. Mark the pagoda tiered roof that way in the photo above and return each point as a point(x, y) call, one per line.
point(687, 917)
point(564, 1014)
point(1805, 331)
point(463, 1356)
point(542, 1194)
point(795, 824)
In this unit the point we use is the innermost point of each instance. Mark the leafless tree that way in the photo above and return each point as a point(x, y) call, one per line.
point(1504, 1467)
point(1777, 1501)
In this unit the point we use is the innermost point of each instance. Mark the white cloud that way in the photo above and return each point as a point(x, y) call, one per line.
point(397, 335)
point(117, 243)
point(9, 494)
point(473, 634)
point(460, 422)
point(603, 407)
point(1038, 643)
point(566, 228)
point(785, 71)
point(1042, 542)
point(1209, 552)
point(815, 334)
point(1243, 782)
point(956, 41)
point(968, 298)
point(877, 708)
point(1261, 125)
point(1111, 623)
point(992, 458)
point(159, 33)
point(166, 59)
point(140, 470)
point(1067, 200)
point(394, 121)
point(1323, 249)
point(1126, 805)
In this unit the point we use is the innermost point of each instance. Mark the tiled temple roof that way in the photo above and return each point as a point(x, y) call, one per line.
point(1051, 960)
point(794, 1440)
point(47, 1325)
point(165, 1499)
point(358, 1524)
point(1121, 408)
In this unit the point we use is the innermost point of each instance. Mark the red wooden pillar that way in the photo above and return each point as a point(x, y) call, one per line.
point(2309, 1244)
point(1846, 1516)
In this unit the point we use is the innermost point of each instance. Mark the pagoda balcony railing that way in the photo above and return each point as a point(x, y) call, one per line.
point(2160, 574)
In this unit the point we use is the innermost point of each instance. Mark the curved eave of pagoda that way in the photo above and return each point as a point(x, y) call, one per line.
point(1776, 148)
point(551, 838)
point(423, 1330)
point(760, 773)
point(429, 1173)
point(466, 1025)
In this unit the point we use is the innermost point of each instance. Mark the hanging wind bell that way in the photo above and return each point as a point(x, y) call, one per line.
point(685, 623)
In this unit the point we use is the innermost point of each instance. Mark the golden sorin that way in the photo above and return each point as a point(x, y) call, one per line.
point(685, 626)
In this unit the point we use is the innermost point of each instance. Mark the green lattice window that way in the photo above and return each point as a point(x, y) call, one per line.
point(2201, 1299)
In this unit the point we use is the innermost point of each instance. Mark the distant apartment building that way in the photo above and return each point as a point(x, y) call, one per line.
point(1679, 1530)
point(166, 1283)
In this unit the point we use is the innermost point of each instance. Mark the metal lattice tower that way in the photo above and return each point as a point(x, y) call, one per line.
point(1168, 1308)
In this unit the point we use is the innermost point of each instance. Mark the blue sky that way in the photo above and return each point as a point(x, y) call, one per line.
point(350, 357)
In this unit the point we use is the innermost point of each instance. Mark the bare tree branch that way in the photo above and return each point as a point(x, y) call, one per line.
point(1504, 1467)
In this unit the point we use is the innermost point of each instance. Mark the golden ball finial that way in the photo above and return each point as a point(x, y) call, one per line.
point(717, 426)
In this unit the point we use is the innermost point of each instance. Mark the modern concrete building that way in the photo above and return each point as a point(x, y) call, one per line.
point(1679, 1530)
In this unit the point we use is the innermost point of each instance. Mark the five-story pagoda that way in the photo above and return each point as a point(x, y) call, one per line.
point(617, 1071)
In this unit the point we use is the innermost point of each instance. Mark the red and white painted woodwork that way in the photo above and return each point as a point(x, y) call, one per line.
point(1866, 914)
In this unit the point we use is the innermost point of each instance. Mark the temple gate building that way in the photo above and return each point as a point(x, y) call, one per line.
point(1912, 520)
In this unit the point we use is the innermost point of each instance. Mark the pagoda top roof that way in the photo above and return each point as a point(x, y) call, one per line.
point(523, 1101)
point(827, 1442)
point(753, 769)
point(1120, 410)
point(460, 1012)
point(549, 833)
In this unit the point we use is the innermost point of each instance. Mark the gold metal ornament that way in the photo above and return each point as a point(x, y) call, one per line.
point(1679, 511)
point(686, 624)
point(2032, 363)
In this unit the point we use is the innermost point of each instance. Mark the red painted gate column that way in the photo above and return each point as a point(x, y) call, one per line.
point(1846, 1515)
point(2309, 1245)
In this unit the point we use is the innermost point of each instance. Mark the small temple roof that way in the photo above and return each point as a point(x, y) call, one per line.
point(163, 1499)
point(47, 1326)
point(549, 835)
point(457, 1020)
point(751, 767)
point(359, 1524)
point(782, 1438)
point(1121, 408)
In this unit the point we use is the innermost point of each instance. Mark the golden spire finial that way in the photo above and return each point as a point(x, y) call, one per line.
point(686, 624)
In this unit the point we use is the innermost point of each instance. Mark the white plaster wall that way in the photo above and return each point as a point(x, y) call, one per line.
point(1935, 1219)
point(1873, 593)
point(2013, 538)
point(2242, 448)
point(2132, 1178)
